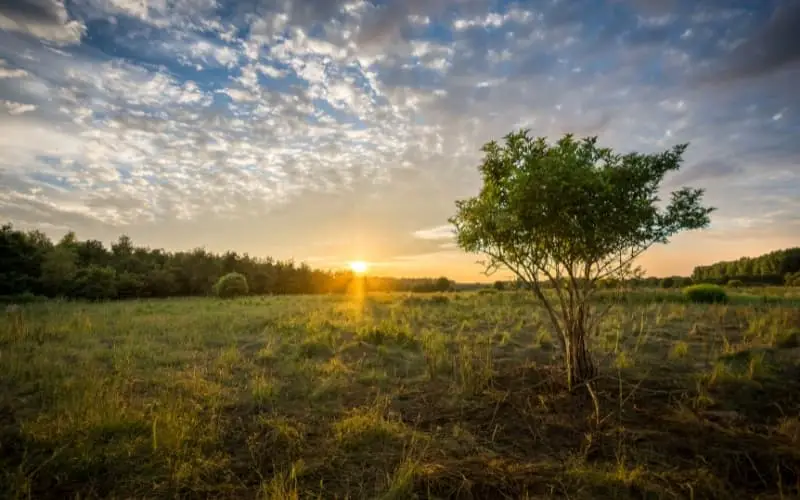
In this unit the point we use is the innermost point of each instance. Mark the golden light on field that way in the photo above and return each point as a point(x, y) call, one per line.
point(359, 266)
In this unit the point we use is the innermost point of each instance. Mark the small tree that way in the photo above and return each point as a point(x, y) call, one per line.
point(567, 216)
point(231, 285)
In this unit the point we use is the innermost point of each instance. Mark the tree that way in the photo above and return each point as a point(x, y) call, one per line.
point(442, 284)
point(58, 271)
point(96, 283)
point(569, 215)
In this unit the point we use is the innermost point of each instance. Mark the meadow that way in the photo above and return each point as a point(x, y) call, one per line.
point(396, 396)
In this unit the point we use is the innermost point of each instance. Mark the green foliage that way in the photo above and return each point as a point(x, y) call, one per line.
point(570, 214)
point(545, 205)
point(770, 268)
point(705, 293)
point(499, 286)
point(231, 285)
point(95, 283)
point(735, 283)
point(59, 268)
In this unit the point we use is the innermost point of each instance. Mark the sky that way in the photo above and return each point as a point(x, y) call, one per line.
point(337, 130)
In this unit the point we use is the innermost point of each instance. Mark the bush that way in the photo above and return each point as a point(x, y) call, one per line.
point(706, 294)
point(735, 283)
point(231, 285)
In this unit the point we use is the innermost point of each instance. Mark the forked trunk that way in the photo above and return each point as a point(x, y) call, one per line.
point(580, 367)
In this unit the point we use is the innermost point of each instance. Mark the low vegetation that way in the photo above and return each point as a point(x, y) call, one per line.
point(393, 397)
point(231, 285)
point(706, 294)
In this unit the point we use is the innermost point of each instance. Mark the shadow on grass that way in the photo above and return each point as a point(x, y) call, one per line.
point(530, 437)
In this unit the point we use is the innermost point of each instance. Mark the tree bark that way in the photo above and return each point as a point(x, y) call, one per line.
point(580, 367)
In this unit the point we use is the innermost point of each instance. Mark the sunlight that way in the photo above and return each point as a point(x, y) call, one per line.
point(359, 266)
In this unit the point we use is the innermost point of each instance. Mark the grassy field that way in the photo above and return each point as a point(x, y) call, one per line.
point(396, 397)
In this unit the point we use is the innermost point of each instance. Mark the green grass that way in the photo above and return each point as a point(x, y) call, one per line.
point(447, 396)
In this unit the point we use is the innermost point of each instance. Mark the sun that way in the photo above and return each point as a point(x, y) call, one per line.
point(359, 266)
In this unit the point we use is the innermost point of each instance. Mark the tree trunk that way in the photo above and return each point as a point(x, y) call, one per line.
point(580, 367)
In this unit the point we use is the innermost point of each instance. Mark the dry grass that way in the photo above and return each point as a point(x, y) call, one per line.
point(394, 398)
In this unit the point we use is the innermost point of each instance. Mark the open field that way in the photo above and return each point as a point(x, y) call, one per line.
point(395, 397)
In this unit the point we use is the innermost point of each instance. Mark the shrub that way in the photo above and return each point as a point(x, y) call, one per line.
point(231, 285)
point(735, 283)
point(706, 294)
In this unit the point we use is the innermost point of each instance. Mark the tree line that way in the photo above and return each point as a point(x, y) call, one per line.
point(773, 268)
point(32, 264)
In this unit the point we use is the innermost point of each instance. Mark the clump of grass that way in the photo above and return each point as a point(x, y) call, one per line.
point(264, 390)
point(473, 366)
point(706, 294)
point(387, 332)
point(437, 357)
point(369, 427)
point(282, 485)
point(679, 350)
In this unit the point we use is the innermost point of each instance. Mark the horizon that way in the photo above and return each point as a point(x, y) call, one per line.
point(341, 131)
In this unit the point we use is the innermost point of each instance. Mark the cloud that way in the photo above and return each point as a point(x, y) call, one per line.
point(444, 232)
point(714, 169)
point(773, 46)
point(46, 19)
point(16, 108)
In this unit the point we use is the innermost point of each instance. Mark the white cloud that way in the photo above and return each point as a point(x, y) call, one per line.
point(16, 108)
point(46, 19)
point(494, 19)
point(11, 72)
point(435, 233)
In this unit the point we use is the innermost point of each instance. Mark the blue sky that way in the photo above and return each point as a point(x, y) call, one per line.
point(330, 130)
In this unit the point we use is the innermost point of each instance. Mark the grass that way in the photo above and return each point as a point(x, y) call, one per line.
point(448, 396)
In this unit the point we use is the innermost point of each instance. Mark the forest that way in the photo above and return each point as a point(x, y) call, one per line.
point(773, 268)
point(34, 266)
